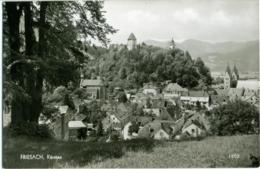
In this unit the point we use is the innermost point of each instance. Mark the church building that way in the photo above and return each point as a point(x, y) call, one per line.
point(231, 77)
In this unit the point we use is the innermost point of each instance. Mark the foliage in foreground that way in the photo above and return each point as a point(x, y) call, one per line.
point(209, 152)
point(30, 129)
point(235, 117)
point(51, 56)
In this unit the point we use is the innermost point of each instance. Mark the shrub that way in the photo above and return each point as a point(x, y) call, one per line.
point(186, 137)
point(236, 117)
point(114, 136)
point(139, 144)
point(81, 93)
point(31, 129)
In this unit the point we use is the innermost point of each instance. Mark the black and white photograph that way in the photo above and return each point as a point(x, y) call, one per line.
point(130, 84)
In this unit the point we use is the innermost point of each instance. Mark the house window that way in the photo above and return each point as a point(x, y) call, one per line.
point(192, 130)
point(161, 134)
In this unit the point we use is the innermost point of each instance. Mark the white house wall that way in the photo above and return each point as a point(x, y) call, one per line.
point(161, 135)
point(188, 129)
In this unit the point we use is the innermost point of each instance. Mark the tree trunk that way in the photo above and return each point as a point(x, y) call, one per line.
point(30, 78)
point(37, 95)
point(13, 19)
point(28, 29)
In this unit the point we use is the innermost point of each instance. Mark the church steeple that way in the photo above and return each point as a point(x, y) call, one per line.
point(235, 70)
point(228, 70)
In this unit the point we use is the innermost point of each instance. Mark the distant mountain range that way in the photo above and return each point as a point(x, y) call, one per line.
point(217, 55)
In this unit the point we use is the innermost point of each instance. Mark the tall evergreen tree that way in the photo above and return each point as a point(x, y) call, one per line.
point(58, 31)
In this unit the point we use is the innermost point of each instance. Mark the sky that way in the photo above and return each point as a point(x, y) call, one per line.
point(208, 20)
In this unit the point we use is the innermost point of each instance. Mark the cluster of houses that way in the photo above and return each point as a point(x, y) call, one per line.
point(153, 105)
point(155, 121)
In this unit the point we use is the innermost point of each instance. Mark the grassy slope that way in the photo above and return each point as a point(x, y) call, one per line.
point(210, 152)
point(74, 154)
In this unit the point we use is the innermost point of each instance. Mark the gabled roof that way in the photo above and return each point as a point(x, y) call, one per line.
point(198, 93)
point(155, 125)
point(164, 115)
point(143, 119)
point(165, 125)
point(198, 120)
point(235, 92)
point(222, 92)
point(131, 37)
point(122, 111)
point(106, 122)
point(177, 125)
point(194, 122)
point(157, 97)
point(108, 107)
point(150, 86)
point(249, 94)
point(91, 82)
point(76, 125)
point(140, 95)
point(248, 97)
point(175, 87)
point(152, 110)
point(219, 99)
point(145, 131)
point(80, 117)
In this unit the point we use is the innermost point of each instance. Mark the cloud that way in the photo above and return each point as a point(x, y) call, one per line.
point(220, 18)
point(186, 15)
point(139, 16)
point(214, 20)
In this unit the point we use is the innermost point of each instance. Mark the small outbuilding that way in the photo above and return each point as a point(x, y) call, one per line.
point(77, 130)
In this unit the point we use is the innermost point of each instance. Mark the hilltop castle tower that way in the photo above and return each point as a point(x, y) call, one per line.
point(231, 77)
point(172, 44)
point(131, 42)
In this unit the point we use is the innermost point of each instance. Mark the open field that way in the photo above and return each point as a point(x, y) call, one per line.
point(210, 152)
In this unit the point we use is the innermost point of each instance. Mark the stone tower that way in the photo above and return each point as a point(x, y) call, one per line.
point(131, 42)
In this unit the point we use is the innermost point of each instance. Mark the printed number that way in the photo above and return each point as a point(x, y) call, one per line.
point(234, 156)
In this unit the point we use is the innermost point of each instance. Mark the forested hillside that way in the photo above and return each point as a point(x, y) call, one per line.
point(131, 69)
